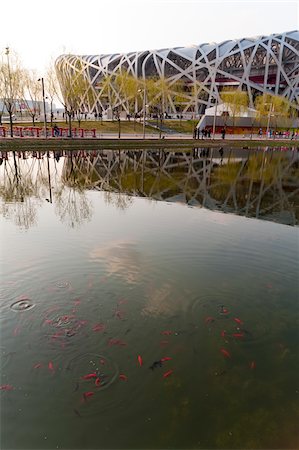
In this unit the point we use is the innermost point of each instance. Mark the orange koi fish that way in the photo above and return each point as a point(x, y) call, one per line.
point(50, 366)
point(97, 382)
point(99, 327)
point(89, 376)
point(47, 321)
point(37, 366)
point(226, 353)
point(239, 321)
point(16, 331)
point(209, 319)
point(166, 374)
point(87, 394)
point(238, 335)
point(140, 360)
point(119, 314)
point(116, 342)
point(123, 377)
point(122, 302)
point(6, 387)
point(252, 365)
point(166, 358)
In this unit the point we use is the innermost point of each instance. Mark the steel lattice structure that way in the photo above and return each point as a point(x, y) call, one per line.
point(264, 64)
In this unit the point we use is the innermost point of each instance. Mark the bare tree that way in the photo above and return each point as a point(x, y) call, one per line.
point(11, 76)
point(31, 94)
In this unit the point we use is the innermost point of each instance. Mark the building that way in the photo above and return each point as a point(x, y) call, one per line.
point(263, 64)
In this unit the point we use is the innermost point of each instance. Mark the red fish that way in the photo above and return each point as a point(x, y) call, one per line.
point(239, 321)
point(252, 365)
point(47, 321)
point(122, 302)
point(37, 366)
point(223, 333)
point(238, 335)
point(50, 366)
point(166, 332)
point(77, 302)
point(102, 361)
point(226, 353)
point(99, 327)
point(89, 376)
point(97, 382)
point(6, 387)
point(123, 377)
point(209, 319)
point(224, 311)
point(116, 342)
point(119, 314)
point(166, 358)
point(16, 331)
point(166, 374)
point(57, 335)
point(140, 360)
point(87, 394)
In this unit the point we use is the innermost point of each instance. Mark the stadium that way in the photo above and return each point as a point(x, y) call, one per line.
point(257, 65)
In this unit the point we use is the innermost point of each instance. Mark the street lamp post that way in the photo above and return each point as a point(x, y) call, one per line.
point(10, 100)
point(269, 118)
point(144, 109)
point(215, 115)
point(44, 105)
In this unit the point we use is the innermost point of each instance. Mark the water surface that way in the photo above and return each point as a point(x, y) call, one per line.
point(153, 273)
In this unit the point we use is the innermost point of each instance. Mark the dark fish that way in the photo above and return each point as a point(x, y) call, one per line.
point(77, 412)
point(156, 364)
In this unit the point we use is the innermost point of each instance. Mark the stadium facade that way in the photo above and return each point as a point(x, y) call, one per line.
point(263, 64)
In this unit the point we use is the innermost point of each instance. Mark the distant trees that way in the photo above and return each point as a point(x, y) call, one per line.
point(11, 77)
point(31, 94)
point(73, 88)
point(237, 100)
point(272, 109)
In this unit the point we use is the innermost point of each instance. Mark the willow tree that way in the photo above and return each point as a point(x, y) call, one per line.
point(108, 89)
point(31, 94)
point(162, 93)
point(73, 88)
point(237, 100)
point(11, 78)
point(51, 83)
point(271, 107)
point(129, 89)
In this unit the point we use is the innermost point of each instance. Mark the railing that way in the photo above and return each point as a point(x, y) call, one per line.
point(38, 132)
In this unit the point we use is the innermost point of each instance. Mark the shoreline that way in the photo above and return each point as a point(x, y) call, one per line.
point(18, 143)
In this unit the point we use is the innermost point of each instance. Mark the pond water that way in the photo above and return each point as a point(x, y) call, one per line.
point(149, 299)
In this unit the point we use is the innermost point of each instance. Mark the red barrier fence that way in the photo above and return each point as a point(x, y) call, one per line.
point(53, 132)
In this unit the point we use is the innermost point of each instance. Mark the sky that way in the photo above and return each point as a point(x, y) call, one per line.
point(40, 31)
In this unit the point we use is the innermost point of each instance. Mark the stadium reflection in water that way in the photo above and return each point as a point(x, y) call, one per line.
point(259, 183)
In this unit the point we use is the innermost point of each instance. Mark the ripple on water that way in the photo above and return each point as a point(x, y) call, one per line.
point(22, 305)
point(62, 284)
point(224, 317)
point(91, 374)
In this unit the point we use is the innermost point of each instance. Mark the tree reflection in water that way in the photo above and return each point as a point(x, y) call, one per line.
point(260, 183)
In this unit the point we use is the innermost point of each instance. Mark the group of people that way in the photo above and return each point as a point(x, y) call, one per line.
point(206, 133)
